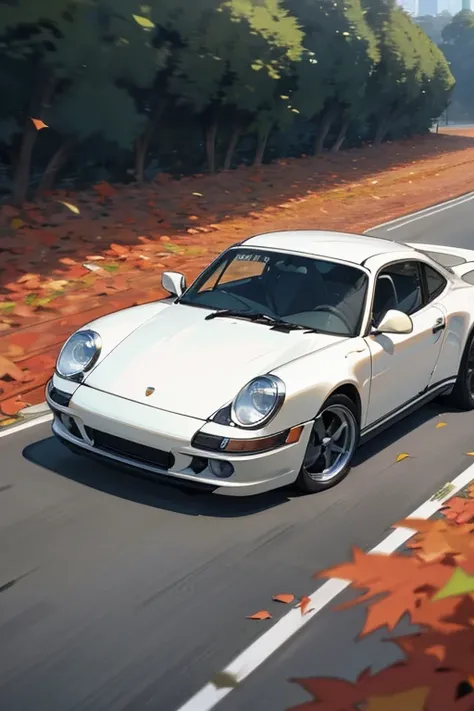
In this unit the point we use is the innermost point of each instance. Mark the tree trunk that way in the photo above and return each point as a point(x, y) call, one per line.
point(341, 136)
point(56, 162)
point(328, 118)
point(234, 139)
point(211, 135)
point(22, 171)
point(261, 145)
point(383, 127)
point(142, 143)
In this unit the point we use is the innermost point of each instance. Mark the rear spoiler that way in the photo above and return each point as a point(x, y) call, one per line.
point(458, 260)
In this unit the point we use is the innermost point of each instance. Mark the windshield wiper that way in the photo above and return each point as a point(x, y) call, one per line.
point(257, 317)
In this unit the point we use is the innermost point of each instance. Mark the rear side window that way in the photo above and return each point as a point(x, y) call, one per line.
point(435, 283)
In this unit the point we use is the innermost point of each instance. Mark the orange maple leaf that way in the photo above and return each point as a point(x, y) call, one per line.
point(437, 538)
point(286, 598)
point(406, 582)
point(459, 510)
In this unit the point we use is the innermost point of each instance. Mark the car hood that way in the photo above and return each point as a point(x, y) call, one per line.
point(196, 366)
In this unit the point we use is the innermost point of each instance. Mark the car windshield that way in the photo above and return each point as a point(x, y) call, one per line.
point(317, 294)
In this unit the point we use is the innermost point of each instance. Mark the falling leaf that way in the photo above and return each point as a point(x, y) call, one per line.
point(460, 583)
point(469, 454)
point(197, 194)
point(287, 598)
point(16, 223)
point(262, 615)
point(441, 424)
point(225, 680)
point(401, 457)
point(70, 206)
point(38, 124)
point(459, 510)
point(412, 700)
point(303, 604)
point(144, 22)
point(435, 539)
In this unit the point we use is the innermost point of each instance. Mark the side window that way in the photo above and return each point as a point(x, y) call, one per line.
point(398, 287)
point(435, 283)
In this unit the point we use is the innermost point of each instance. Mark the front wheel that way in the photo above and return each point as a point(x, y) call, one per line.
point(331, 445)
point(462, 395)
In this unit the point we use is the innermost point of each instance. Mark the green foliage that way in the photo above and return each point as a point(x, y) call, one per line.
point(137, 76)
point(458, 46)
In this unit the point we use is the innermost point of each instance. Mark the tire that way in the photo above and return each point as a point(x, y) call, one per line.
point(312, 476)
point(462, 395)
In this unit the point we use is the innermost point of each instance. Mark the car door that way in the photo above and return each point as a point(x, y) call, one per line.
point(402, 364)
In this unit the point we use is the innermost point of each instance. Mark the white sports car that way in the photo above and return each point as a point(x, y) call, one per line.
point(283, 355)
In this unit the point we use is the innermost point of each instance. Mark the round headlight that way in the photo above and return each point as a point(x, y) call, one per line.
point(79, 353)
point(258, 401)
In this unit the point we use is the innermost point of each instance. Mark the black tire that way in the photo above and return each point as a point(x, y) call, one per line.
point(307, 480)
point(462, 395)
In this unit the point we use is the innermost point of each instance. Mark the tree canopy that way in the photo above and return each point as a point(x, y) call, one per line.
point(118, 89)
point(458, 47)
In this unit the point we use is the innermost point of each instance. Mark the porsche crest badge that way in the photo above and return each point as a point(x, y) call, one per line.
point(149, 391)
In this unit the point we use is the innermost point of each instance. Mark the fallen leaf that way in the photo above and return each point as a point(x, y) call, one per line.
point(412, 700)
point(197, 194)
point(469, 454)
point(7, 367)
point(460, 583)
point(70, 206)
point(401, 457)
point(441, 424)
point(8, 421)
point(303, 604)
point(16, 223)
point(38, 124)
point(287, 598)
point(262, 615)
point(225, 680)
point(437, 538)
point(144, 22)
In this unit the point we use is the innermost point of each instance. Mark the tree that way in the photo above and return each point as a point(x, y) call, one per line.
point(458, 47)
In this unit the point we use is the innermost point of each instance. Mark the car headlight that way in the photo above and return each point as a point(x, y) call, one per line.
point(79, 353)
point(258, 401)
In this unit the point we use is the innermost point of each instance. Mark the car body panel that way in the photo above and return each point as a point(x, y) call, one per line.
point(197, 365)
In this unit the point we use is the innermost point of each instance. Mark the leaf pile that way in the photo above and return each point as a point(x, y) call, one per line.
point(434, 586)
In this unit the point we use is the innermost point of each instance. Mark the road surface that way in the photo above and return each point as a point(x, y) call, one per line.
point(117, 594)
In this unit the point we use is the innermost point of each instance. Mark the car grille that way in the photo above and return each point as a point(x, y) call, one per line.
point(131, 450)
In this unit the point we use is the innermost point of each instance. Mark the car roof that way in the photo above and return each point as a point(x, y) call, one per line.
point(338, 245)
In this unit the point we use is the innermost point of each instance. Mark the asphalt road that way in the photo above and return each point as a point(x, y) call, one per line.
point(117, 594)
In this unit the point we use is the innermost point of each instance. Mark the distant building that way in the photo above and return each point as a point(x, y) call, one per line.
point(466, 4)
point(429, 7)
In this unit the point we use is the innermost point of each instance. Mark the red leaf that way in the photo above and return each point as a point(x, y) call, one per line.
point(262, 615)
point(38, 124)
point(303, 604)
point(287, 598)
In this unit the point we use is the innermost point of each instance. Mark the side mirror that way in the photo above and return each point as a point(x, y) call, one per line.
point(173, 282)
point(395, 322)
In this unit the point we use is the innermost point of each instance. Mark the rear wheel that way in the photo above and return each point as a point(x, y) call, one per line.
point(462, 395)
point(331, 446)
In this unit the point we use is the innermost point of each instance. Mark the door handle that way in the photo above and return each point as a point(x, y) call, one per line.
point(440, 325)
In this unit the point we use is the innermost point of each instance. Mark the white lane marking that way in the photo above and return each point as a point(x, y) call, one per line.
point(431, 214)
point(426, 212)
point(263, 647)
point(26, 425)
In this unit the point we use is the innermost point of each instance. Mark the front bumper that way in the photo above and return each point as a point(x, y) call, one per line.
point(159, 443)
